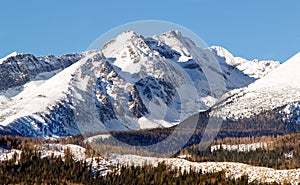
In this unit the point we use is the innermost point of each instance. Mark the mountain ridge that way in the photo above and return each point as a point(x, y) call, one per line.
point(114, 84)
point(278, 88)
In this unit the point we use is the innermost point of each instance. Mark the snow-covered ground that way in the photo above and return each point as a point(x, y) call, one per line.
point(232, 170)
point(8, 154)
point(97, 137)
point(58, 150)
point(79, 154)
point(241, 147)
point(47, 150)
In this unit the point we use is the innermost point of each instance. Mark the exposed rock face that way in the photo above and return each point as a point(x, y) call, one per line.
point(22, 68)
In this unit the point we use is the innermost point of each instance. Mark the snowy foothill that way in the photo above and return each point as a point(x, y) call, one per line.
point(105, 165)
point(232, 169)
point(47, 150)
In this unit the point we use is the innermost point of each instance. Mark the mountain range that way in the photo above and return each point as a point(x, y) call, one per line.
point(135, 83)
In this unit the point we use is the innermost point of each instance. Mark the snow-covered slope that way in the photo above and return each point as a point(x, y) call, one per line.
point(279, 88)
point(254, 68)
point(206, 60)
point(132, 83)
point(232, 169)
point(8, 56)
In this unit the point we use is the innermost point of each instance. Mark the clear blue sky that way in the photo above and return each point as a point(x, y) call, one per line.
point(263, 29)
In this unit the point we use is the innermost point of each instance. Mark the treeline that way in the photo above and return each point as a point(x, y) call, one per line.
point(31, 169)
point(19, 143)
point(272, 156)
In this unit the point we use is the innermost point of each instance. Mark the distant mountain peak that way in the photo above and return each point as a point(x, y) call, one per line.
point(253, 68)
point(173, 33)
point(125, 39)
point(127, 35)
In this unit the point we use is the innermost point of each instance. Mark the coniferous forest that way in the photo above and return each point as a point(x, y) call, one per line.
point(32, 169)
point(272, 156)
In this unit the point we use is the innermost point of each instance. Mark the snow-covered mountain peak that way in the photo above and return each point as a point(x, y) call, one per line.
point(127, 39)
point(253, 68)
point(127, 36)
point(173, 33)
point(229, 58)
point(179, 43)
